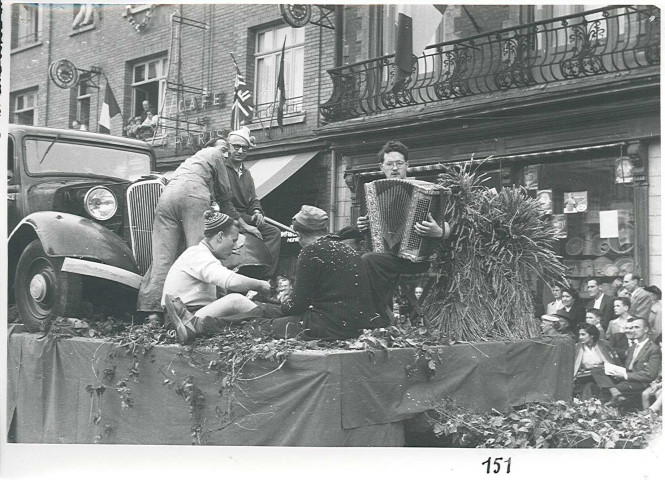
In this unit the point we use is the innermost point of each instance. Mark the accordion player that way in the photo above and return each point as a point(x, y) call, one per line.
point(394, 207)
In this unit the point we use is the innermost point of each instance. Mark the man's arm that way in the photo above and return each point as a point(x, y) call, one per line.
point(210, 270)
point(646, 370)
point(306, 278)
point(641, 306)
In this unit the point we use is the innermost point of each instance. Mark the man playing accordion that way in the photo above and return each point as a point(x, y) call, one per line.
point(384, 269)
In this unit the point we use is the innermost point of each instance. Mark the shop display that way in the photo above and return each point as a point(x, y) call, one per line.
point(545, 199)
point(531, 177)
point(560, 226)
point(575, 202)
point(623, 170)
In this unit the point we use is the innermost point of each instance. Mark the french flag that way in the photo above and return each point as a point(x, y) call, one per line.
point(416, 28)
point(110, 109)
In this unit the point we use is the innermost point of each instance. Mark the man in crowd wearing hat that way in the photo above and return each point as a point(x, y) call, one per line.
point(384, 269)
point(642, 365)
point(198, 272)
point(556, 325)
point(352, 237)
point(245, 201)
point(329, 299)
point(196, 183)
point(640, 300)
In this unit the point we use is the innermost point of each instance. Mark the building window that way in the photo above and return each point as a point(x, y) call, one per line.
point(267, 57)
point(82, 15)
point(26, 24)
point(25, 107)
point(83, 104)
point(149, 83)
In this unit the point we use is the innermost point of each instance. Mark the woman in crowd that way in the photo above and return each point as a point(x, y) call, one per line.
point(552, 307)
point(590, 352)
point(572, 307)
point(655, 315)
point(615, 334)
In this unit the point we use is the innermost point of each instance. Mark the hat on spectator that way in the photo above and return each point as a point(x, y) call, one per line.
point(349, 233)
point(243, 132)
point(310, 218)
point(556, 317)
point(214, 222)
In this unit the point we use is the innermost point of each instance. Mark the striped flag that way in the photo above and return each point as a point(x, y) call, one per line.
point(416, 27)
point(281, 88)
point(242, 108)
point(110, 109)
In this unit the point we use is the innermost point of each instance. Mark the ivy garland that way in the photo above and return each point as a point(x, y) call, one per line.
point(143, 24)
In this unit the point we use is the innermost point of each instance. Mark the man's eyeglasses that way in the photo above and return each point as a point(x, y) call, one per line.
point(394, 164)
point(240, 147)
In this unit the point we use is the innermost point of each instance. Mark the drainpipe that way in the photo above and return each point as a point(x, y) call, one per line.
point(48, 77)
point(333, 190)
point(339, 35)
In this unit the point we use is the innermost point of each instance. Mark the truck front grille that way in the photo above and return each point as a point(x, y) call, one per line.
point(142, 198)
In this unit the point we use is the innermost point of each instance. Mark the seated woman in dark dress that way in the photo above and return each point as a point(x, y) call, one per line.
point(590, 352)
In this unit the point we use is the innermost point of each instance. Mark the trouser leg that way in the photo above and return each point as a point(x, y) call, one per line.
point(166, 238)
point(383, 270)
point(272, 238)
point(192, 210)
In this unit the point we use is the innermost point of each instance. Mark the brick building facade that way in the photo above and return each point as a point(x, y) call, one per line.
point(569, 126)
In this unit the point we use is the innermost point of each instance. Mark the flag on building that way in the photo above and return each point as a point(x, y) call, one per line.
point(110, 109)
point(281, 88)
point(242, 108)
point(416, 27)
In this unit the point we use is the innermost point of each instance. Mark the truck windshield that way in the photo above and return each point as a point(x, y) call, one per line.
point(84, 159)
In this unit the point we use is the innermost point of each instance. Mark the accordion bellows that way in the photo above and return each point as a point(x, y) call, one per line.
point(394, 206)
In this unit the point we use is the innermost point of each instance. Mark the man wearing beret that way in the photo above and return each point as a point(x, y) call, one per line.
point(197, 274)
point(384, 269)
point(245, 201)
point(330, 298)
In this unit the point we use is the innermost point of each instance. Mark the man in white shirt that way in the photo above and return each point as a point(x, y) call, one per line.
point(198, 272)
point(604, 303)
point(643, 362)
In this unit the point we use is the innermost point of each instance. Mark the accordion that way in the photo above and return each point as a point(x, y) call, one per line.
point(394, 206)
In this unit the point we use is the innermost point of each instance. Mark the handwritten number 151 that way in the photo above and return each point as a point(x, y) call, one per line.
point(497, 464)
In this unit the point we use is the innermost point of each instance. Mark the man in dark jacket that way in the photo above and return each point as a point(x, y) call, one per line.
point(604, 303)
point(643, 362)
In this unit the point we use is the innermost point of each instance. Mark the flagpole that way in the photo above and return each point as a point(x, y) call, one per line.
point(277, 86)
point(235, 124)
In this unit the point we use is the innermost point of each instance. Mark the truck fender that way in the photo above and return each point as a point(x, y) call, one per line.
point(67, 235)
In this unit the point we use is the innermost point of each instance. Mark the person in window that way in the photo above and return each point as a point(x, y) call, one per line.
point(590, 352)
point(384, 269)
point(84, 16)
point(147, 108)
point(616, 331)
point(247, 204)
point(76, 125)
point(572, 307)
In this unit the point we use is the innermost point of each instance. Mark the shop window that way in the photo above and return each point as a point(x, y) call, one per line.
point(149, 83)
point(26, 24)
point(267, 58)
point(83, 15)
point(25, 107)
point(591, 205)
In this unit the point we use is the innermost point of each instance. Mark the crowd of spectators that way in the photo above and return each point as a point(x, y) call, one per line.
point(618, 334)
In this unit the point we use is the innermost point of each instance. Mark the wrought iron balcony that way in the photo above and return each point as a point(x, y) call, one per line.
point(596, 42)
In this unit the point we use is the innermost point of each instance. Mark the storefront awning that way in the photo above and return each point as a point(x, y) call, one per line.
point(270, 173)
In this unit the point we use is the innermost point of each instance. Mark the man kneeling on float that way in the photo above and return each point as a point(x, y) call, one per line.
point(330, 298)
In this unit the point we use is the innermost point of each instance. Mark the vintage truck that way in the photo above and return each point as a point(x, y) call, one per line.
point(80, 209)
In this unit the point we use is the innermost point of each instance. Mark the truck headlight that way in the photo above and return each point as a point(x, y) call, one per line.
point(100, 203)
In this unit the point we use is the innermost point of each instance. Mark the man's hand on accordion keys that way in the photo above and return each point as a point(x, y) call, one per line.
point(363, 223)
point(429, 228)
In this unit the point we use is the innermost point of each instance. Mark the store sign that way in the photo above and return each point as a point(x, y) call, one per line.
point(289, 237)
point(194, 103)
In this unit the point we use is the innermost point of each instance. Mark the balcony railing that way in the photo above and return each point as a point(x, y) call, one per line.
point(596, 42)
